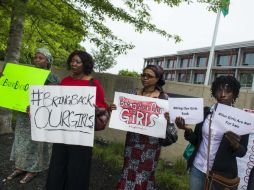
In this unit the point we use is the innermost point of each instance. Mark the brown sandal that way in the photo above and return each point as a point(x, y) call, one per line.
point(28, 177)
point(15, 174)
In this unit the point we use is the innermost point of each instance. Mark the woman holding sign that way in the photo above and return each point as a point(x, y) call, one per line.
point(70, 164)
point(31, 157)
point(141, 153)
point(214, 151)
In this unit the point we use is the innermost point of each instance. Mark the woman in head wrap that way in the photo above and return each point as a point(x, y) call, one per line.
point(141, 153)
point(31, 157)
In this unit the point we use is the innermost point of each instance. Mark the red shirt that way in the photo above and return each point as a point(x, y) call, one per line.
point(100, 101)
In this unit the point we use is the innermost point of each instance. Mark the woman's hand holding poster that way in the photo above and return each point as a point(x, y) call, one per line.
point(139, 114)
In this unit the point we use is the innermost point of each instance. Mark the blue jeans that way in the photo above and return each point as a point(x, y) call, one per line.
point(197, 179)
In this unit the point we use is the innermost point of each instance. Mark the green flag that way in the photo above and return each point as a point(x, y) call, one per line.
point(225, 7)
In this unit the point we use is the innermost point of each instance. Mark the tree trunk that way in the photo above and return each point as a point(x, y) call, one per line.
point(16, 31)
point(13, 53)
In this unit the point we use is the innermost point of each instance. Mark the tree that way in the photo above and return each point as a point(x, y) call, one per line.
point(126, 72)
point(46, 24)
point(61, 25)
point(104, 58)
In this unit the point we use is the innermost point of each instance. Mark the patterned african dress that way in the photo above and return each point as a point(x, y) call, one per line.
point(30, 155)
point(140, 161)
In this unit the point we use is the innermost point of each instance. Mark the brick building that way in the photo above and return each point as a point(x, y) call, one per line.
point(190, 66)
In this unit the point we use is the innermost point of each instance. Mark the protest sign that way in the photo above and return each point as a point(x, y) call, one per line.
point(139, 114)
point(63, 114)
point(246, 163)
point(228, 118)
point(191, 109)
point(14, 85)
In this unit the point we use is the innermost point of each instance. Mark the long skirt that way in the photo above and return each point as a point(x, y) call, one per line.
point(69, 167)
point(28, 155)
point(141, 157)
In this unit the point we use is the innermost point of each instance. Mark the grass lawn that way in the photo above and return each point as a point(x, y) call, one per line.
point(168, 176)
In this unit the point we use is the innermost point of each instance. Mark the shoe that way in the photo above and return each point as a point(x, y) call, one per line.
point(14, 174)
point(28, 177)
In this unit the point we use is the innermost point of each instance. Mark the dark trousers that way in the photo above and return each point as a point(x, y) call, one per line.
point(69, 167)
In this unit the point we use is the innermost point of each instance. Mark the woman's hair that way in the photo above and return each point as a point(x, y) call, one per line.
point(86, 59)
point(158, 71)
point(229, 82)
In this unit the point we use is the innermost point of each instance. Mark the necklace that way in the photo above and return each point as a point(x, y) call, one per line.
point(148, 93)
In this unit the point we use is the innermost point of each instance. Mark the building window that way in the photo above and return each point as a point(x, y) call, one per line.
point(226, 60)
point(234, 60)
point(171, 76)
point(183, 77)
point(246, 79)
point(222, 74)
point(223, 60)
point(201, 61)
point(165, 76)
point(248, 58)
point(199, 78)
point(184, 62)
point(170, 63)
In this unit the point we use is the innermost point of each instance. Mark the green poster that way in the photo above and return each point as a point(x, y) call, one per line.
point(15, 82)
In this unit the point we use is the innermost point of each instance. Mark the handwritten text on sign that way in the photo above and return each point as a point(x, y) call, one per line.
point(191, 109)
point(139, 114)
point(228, 118)
point(63, 114)
point(14, 85)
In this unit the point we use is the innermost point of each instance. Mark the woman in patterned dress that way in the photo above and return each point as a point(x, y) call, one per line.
point(31, 157)
point(142, 152)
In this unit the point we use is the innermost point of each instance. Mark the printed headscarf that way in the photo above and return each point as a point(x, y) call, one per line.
point(158, 71)
point(47, 54)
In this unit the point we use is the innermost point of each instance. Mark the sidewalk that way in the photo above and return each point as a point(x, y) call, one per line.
point(102, 177)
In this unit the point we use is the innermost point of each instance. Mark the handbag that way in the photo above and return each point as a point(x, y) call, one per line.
point(101, 119)
point(171, 135)
point(215, 181)
point(101, 115)
point(188, 151)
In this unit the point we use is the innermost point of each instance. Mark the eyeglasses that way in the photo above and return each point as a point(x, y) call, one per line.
point(75, 61)
point(146, 76)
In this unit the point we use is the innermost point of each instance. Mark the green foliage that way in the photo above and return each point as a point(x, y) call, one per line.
point(61, 25)
point(111, 155)
point(104, 58)
point(128, 73)
point(172, 177)
point(168, 178)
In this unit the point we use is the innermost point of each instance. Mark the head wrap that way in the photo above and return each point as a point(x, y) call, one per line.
point(46, 53)
point(158, 71)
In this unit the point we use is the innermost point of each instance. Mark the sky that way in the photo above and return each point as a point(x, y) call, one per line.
point(195, 25)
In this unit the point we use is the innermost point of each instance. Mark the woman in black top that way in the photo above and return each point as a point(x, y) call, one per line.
point(224, 147)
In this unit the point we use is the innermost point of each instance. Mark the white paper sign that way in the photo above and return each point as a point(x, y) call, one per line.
point(139, 114)
point(191, 109)
point(63, 114)
point(228, 118)
point(246, 163)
